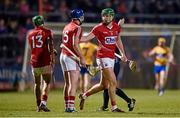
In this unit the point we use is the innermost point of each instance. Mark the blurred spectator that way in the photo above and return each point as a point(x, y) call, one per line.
point(24, 7)
point(160, 7)
point(63, 11)
point(13, 27)
point(137, 7)
point(122, 9)
point(9, 5)
point(3, 28)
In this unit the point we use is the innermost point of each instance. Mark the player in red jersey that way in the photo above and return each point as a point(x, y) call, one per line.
point(108, 36)
point(119, 92)
point(42, 58)
point(72, 33)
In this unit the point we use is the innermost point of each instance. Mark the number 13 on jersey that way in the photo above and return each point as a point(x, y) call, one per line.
point(37, 41)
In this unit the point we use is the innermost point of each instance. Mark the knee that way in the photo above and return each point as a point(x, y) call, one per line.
point(113, 83)
point(104, 86)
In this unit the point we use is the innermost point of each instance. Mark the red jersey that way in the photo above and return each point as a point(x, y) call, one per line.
point(38, 41)
point(107, 39)
point(69, 31)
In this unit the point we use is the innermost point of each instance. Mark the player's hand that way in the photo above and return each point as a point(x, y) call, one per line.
point(121, 22)
point(124, 58)
point(82, 62)
point(52, 59)
point(55, 52)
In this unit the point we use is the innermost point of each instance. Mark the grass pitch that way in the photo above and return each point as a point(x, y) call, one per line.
point(148, 104)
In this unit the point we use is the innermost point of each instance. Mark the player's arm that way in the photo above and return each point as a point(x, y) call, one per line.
point(120, 46)
point(77, 47)
point(51, 48)
point(121, 22)
point(152, 52)
point(170, 57)
point(87, 37)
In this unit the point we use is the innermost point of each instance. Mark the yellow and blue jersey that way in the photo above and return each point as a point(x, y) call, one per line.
point(161, 58)
point(161, 55)
point(88, 51)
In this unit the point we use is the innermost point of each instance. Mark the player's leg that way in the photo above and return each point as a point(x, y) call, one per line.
point(37, 86)
point(37, 89)
point(65, 91)
point(105, 100)
point(71, 75)
point(156, 72)
point(47, 76)
point(86, 82)
point(120, 92)
point(64, 60)
point(161, 82)
point(97, 87)
point(123, 95)
point(94, 89)
point(110, 76)
point(84, 79)
point(107, 66)
point(81, 82)
point(105, 93)
point(45, 89)
point(74, 76)
point(157, 83)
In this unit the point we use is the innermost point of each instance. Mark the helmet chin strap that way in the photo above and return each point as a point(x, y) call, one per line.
point(80, 21)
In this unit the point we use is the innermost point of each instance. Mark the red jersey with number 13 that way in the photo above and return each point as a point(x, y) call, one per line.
point(38, 41)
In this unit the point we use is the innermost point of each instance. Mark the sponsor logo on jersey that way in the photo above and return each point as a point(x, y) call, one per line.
point(110, 40)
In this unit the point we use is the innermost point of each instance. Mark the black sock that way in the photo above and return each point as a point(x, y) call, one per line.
point(105, 98)
point(121, 94)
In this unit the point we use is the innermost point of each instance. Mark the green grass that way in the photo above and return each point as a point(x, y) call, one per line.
point(148, 104)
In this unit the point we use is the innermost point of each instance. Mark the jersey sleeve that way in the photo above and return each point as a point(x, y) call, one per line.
point(95, 31)
point(77, 32)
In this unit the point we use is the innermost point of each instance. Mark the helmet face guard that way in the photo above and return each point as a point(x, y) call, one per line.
point(78, 14)
point(107, 15)
point(38, 20)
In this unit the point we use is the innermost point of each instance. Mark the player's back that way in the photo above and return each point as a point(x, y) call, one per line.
point(38, 41)
point(69, 31)
point(88, 50)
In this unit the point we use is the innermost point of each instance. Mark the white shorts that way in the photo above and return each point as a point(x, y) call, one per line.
point(67, 63)
point(105, 62)
point(42, 70)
